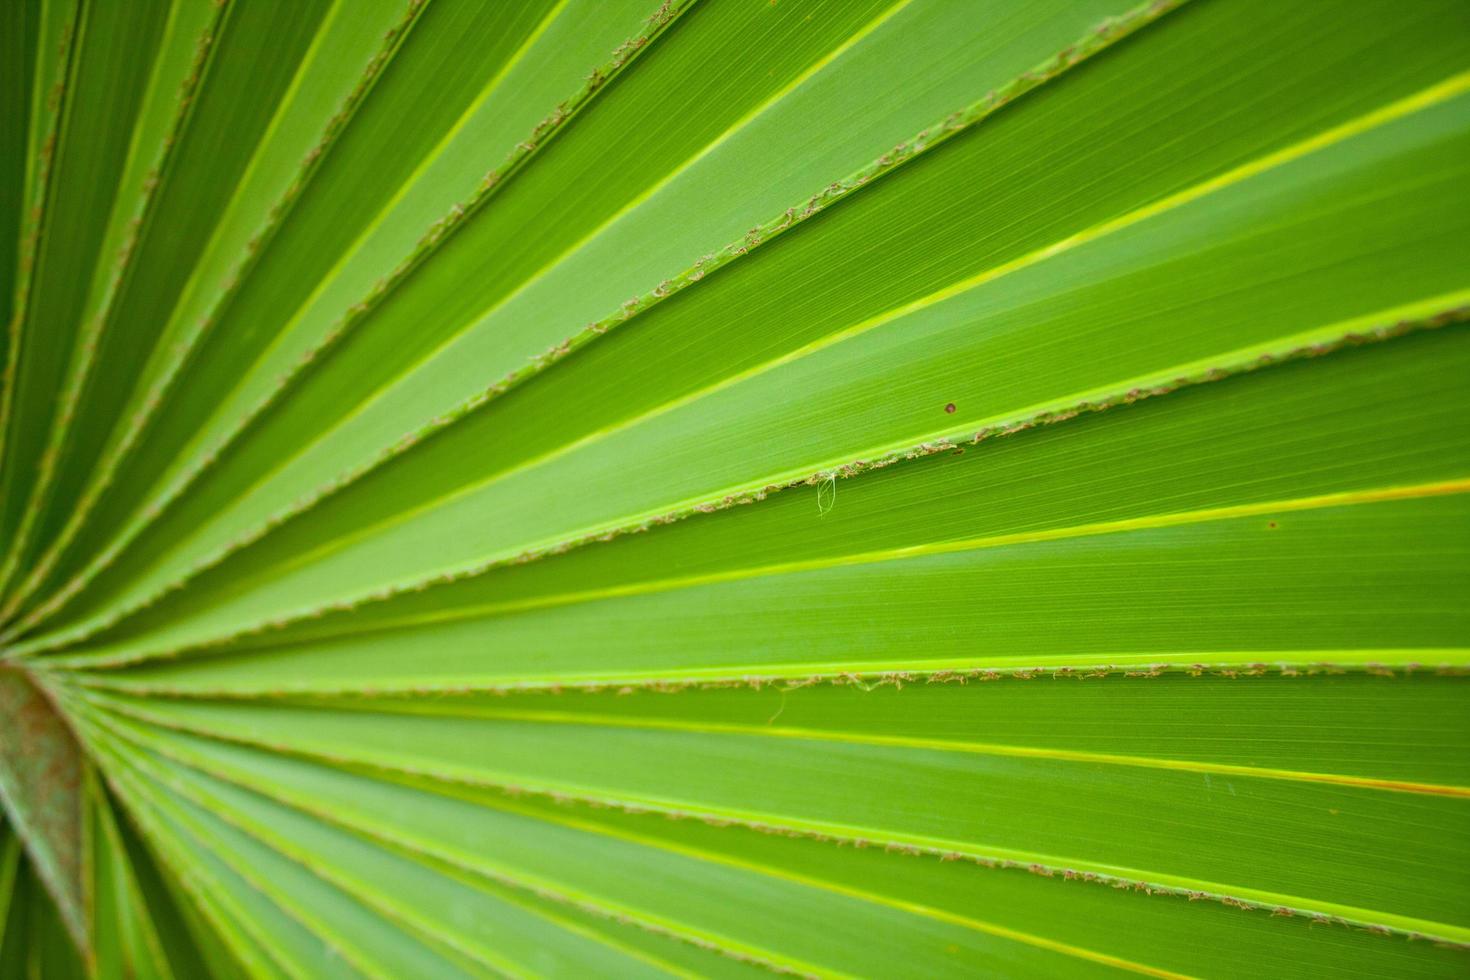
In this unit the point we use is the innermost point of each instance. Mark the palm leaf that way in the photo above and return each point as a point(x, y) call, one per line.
point(883, 488)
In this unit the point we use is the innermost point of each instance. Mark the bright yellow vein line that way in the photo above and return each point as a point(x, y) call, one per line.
point(266, 836)
point(509, 875)
point(1434, 95)
point(115, 447)
point(185, 829)
point(190, 450)
point(956, 745)
point(179, 790)
point(428, 160)
point(1424, 99)
point(173, 835)
point(1297, 904)
point(283, 107)
point(456, 779)
point(1427, 98)
point(812, 70)
point(1431, 96)
point(363, 406)
point(1145, 523)
point(913, 908)
point(242, 939)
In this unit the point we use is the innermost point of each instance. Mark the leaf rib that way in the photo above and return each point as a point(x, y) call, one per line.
point(393, 910)
point(258, 951)
point(1436, 312)
point(366, 953)
point(976, 748)
point(1095, 41)
point(1373, 920)
point(898, 554)
point(482, 866)
point(55, 97)
point(50, 95)
point(769, 959)
point(198, 460)
point(85, 358)
point(103, 825)
point(180, 354)
point(1432, 96)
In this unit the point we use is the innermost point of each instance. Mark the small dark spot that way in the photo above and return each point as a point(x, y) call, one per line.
point(949, 409)
point(1271, 525)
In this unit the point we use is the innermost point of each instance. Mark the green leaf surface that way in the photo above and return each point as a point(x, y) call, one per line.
point(161, 110)
point(181, 68)
point(108, 64)
point(1056, 285)
point(553, 844)
point(1165, 475)
point(888, 488)
point(983, 797)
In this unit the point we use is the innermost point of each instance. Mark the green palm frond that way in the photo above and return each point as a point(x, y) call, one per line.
point(895, 488)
